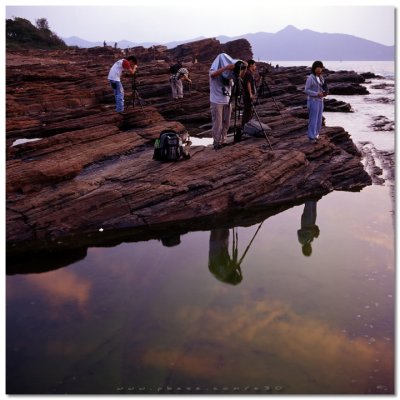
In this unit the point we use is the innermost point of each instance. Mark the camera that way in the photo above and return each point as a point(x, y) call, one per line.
point(225, 81)
point(225, 91)
point(263, 72)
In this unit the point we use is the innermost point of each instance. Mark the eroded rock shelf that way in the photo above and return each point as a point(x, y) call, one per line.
point(93, 169)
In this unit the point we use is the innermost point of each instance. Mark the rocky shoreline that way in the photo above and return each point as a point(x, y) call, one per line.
point(91, 175)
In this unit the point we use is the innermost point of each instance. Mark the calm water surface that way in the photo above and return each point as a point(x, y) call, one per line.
point(310, 308)
point(143, 317)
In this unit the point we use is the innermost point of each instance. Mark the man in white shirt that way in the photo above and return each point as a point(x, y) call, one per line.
point(223, 71)
point(114, 76)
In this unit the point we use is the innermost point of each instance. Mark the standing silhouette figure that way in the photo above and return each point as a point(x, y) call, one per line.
point(309, 230)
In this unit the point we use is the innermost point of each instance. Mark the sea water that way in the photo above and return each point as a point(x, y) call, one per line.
point(382, 68)
point(250, 310)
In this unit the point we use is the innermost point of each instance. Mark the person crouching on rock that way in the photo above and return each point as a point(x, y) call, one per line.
point(222, 73)
point(315, 90)
point(114, 76)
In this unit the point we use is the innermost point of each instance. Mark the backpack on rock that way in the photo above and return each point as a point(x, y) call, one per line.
point(169, 147)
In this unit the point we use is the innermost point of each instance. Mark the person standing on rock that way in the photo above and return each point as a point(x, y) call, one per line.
point(249, 92)
point(176, 80)
point(222, 73)
point(315, 90)
point(114, 76)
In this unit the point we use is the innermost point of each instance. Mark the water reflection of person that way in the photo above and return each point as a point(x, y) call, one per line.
point(309, 230)
point(224, 267)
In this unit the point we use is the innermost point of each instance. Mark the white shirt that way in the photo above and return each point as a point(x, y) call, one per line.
point(116, 70)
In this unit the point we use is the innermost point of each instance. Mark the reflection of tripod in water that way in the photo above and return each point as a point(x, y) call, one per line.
point(235, 242)
point(135, 96)
point(225, 265)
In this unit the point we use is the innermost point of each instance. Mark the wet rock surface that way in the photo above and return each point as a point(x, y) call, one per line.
point(382, 123)
point(380, 165)
point(92, 168)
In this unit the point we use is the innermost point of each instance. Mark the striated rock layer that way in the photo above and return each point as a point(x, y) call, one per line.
point(92, 168)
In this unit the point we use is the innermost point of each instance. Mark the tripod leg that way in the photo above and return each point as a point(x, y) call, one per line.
point(132, 100)
point(237, 131)
point(258, 119)
point(136, 97)
point(260, 93)
point(139, 99)
point(276, 105)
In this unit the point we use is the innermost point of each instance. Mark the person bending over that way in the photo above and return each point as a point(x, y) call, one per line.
point(222, 73)
point(114, 76)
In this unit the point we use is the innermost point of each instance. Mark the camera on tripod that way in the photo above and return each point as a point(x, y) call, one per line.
point(133, 79)
point(135, 96)
point(263, 72)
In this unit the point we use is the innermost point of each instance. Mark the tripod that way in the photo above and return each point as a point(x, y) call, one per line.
point(237, 93)
point(189, 85)
point(135, 96)
point(235, 249)
point(261, 127)
point(261, 93)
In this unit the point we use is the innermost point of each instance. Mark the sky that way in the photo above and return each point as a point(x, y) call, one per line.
point(174, 20)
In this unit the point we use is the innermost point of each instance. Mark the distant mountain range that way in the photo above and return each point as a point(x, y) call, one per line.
point(289, 44)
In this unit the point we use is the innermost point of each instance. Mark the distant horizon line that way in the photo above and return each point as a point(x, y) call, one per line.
point(290, 26)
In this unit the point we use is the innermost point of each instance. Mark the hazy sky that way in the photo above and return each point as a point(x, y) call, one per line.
point(170, 20)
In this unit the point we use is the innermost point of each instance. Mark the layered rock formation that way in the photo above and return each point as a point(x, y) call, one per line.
point(201, 50)
point(92, 169)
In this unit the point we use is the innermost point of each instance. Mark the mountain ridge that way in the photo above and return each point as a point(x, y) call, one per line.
point(288, 44)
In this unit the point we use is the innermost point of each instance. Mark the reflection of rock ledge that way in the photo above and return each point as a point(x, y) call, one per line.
point(93, 168)
point(41, 256)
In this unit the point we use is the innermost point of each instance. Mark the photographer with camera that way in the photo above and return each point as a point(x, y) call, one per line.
point(223, 72)
point(249, 92)
point(177, 76)
point(114, 76)
point(315, 89)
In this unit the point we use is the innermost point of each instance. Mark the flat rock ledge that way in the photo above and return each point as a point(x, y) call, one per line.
point(92, 172)
point(107, 179)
